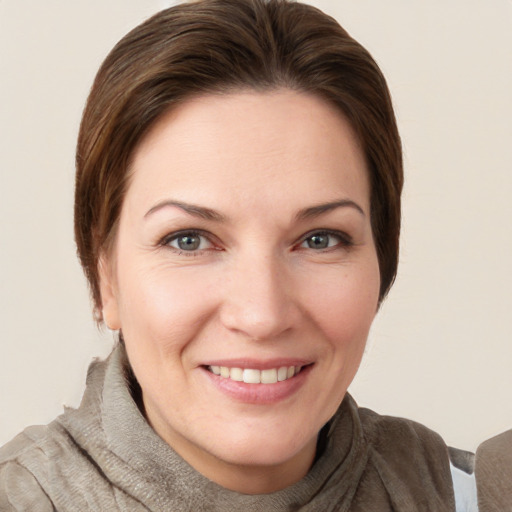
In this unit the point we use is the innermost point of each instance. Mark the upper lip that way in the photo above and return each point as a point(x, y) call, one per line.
point(258, 364)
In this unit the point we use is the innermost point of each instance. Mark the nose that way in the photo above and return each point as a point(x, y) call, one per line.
point(258, 299)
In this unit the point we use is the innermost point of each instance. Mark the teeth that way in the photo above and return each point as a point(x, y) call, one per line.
point(252, 376)
point(282, 373)
point(269, 376)
point(236, 374)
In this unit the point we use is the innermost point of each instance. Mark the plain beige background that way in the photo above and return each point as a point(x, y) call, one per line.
point(441, 349)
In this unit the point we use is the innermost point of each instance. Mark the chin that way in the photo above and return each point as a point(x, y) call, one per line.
point(269, 448)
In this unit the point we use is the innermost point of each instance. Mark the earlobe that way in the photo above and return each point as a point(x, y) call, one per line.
point(109, 304)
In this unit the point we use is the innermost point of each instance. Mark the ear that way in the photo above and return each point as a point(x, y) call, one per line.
point(108, 291)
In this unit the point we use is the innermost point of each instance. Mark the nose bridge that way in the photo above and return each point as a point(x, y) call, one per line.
point(257, 300)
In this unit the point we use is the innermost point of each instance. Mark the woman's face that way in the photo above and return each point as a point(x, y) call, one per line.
point(245, 248)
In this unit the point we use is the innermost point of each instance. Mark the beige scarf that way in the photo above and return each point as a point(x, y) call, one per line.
point(105, 456)
point(369, 462)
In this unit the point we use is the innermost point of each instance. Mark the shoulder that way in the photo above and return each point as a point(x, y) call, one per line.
point(36, 444)
point(46, 468)
point(496, 451)
point(20, 488)
point(394, 435)
point(20, 491)
point(410, 459)
point(493, 469)
point(407, 451)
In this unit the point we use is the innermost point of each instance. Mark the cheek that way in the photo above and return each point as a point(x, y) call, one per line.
point(345, 306)
point(164, 306)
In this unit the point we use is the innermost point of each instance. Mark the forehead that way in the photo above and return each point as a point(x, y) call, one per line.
point(257, 146)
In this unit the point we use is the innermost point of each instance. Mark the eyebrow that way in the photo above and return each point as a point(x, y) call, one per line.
point(315, 211)
point(192, 209)
point(209, 214)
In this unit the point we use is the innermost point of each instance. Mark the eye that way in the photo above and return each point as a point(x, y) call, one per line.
point(188, 241)
point(324, 240)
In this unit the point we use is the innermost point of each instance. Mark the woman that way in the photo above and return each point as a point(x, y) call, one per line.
point(237, 216)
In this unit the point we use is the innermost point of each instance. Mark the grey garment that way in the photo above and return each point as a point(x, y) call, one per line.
point(105, 456)
point(462, 459)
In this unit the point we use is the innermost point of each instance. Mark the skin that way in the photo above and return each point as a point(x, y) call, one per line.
point(257, 288)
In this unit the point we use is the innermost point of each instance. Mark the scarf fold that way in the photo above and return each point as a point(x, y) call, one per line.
point(370, 462)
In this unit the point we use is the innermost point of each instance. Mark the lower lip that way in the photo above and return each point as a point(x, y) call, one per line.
point(259, 393)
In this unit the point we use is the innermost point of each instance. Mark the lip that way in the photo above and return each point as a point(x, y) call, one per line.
point(259, 393)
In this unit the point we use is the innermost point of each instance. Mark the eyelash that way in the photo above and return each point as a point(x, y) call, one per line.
point(344, 241)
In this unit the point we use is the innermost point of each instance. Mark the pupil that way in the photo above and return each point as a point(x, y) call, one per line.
point(318, 242)
point(188, 243)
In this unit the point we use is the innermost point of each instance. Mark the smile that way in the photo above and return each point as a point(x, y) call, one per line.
point(254, 376)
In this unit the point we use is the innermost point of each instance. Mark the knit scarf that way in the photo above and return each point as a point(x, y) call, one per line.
point(369, 462)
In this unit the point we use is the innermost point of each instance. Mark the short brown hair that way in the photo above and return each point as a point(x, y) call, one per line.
point(211, 46)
